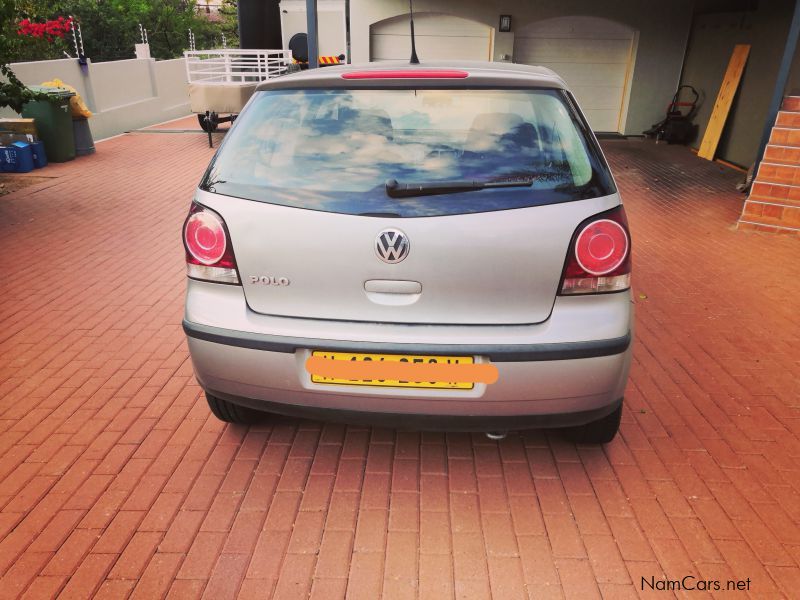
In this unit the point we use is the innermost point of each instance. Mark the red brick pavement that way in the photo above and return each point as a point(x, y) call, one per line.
point(117, 482)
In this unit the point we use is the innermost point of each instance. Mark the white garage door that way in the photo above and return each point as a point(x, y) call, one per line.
point(592, 55)
point(438, 37)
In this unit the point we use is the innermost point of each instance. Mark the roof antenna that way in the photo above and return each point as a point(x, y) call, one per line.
point(414, 59)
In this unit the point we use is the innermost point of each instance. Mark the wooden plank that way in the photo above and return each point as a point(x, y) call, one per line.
point(727, 91)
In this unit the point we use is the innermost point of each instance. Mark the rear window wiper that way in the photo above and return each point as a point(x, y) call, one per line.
point(395, 189)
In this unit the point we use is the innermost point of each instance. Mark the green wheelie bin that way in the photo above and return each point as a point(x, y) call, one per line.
point(53, 122)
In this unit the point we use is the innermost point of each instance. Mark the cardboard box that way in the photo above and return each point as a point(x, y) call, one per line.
point(6, 139)
point(23, 126)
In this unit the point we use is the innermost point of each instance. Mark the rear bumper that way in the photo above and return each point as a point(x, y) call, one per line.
point(425, 422)
point(529, 393)
point(493, 352)
point(569, 370)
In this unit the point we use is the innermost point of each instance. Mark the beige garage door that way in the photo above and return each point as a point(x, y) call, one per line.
point(439, 37)
point(594, 56)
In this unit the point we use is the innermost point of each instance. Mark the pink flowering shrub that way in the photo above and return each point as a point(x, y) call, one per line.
point(52, 29)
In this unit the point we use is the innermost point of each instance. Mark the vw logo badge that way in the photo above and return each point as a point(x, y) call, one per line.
point(392, 246)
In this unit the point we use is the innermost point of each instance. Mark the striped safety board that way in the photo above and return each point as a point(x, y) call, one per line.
point(323, 60)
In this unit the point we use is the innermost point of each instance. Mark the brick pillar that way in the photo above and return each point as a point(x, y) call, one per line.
point(774, 201)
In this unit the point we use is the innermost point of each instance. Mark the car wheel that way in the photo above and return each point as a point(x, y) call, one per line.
point(230, 412)
point(601, 431)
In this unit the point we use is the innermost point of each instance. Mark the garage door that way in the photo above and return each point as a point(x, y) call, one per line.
point(439, 37)
point(592, 55)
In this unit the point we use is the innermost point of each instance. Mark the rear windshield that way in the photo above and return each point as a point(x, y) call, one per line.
point(335, 150)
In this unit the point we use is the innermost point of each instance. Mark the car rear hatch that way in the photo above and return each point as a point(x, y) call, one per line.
point(307, 183)
point(502, 267)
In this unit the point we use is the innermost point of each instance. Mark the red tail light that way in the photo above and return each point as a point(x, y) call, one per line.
point(599, 258)
point(209, 255)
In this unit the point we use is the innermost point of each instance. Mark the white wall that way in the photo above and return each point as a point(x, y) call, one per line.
point(330, 24)
point(663, 29)
point(122, 95)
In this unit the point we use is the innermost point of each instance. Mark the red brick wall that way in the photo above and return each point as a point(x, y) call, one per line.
point(774, 201)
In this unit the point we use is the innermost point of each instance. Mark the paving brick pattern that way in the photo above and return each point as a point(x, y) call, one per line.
point(116, 481)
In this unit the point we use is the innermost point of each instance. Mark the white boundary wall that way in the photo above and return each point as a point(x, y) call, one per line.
point(122, 95)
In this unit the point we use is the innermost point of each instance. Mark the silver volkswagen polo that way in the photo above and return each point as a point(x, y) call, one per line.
point(432, 246)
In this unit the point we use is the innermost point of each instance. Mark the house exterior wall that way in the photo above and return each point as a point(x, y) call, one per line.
point(330, 24)
point(711, 43)
point(663, 29)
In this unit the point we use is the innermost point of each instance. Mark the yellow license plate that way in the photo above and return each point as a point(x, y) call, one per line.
point(389, 360)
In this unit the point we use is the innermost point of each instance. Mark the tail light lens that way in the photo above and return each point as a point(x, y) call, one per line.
point(599, 258)
point(209, 255)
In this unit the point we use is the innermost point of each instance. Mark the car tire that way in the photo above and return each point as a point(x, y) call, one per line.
point(230, 412)
point(601, 431)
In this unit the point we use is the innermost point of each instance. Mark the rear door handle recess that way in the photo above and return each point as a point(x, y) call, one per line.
point(392, 286)
point(392, 292)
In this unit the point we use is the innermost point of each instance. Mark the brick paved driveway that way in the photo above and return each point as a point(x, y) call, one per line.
point(116, 480)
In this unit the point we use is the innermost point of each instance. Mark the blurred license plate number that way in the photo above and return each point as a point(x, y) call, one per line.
point(453, 360)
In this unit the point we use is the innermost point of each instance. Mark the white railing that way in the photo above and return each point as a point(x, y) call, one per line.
point(235, 66)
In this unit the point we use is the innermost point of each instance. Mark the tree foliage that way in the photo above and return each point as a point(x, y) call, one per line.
point(110, 28)
point(12, 92)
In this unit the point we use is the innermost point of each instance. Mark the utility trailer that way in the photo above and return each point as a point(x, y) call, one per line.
point(222, 81)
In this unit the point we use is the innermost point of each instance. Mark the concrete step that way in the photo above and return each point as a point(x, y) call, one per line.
point(774, 214)
point(745, 225)
point(779, 224)
point(774, 173)
point(783, 136)
point(767, 200)
point(791, 104)
point(774, 202)
point(782, 155)
point(788, 120)
point(775, 192)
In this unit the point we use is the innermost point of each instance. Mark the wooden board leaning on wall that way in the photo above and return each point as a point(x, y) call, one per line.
point(727, 91)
